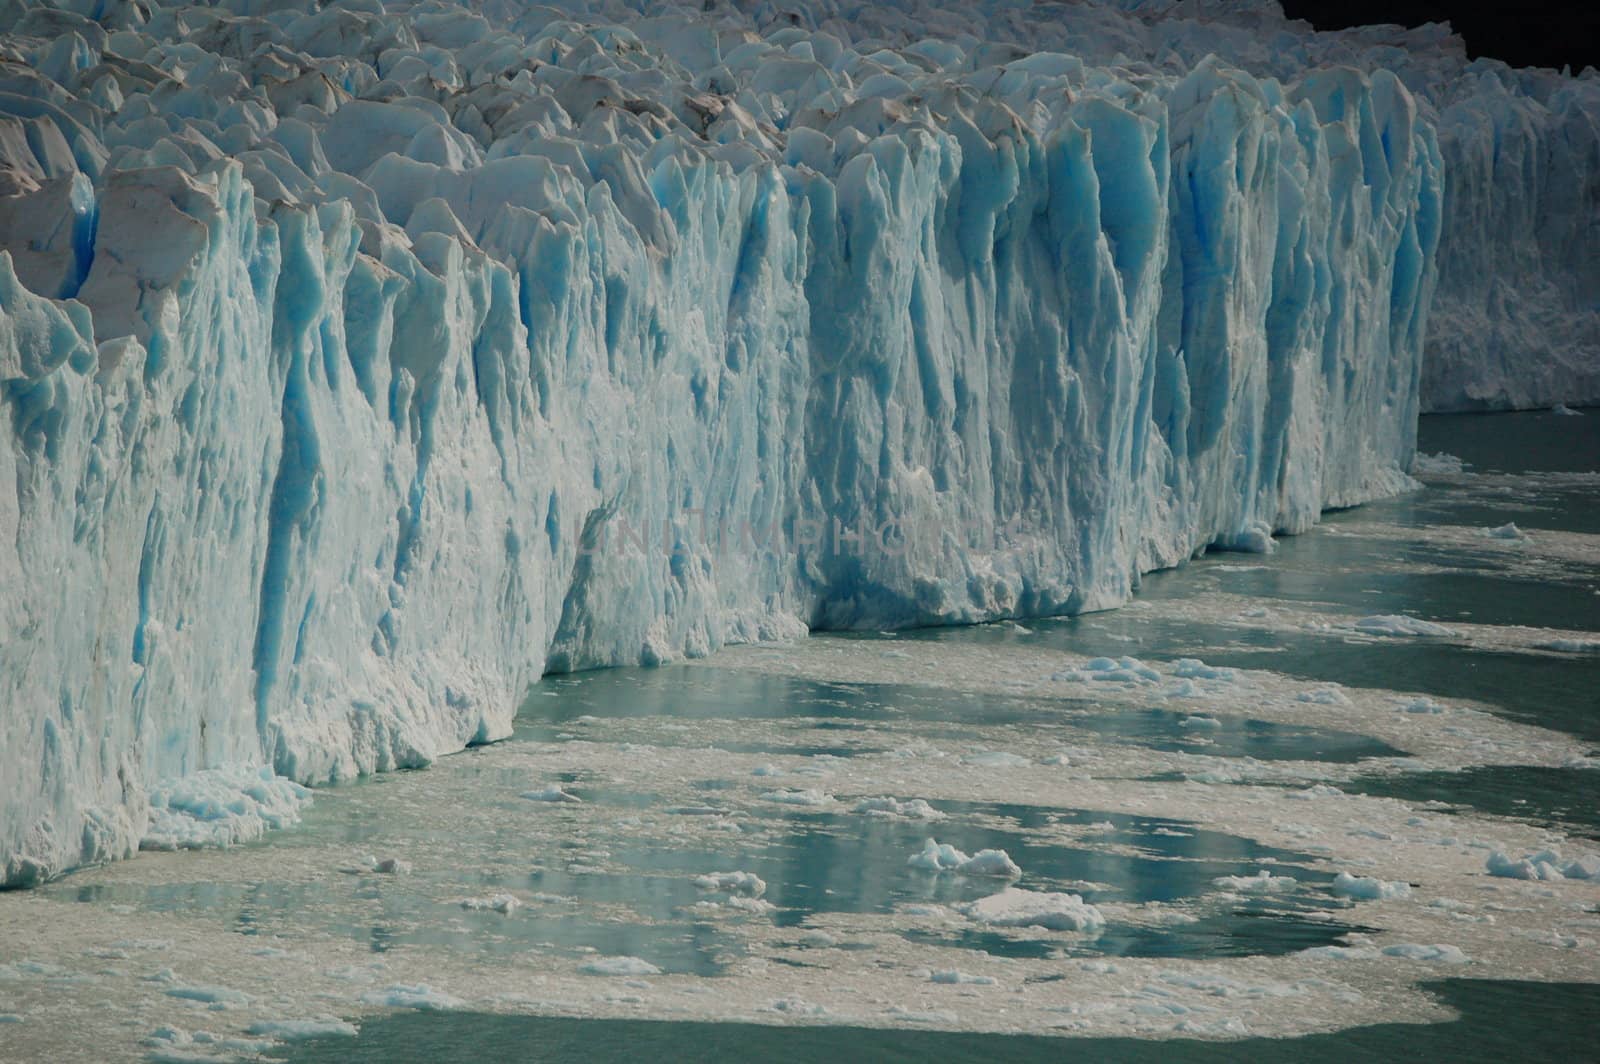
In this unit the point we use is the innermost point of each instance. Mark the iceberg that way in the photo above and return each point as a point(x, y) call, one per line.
point(361, 363)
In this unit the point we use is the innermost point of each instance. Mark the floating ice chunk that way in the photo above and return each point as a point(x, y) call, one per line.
point(552, 793)
point(952, 977)
point(1507, 531)
point(808, 797)
point(1437, 954)
point(500, 903)
point(766, 770)
point(1563, 410)
point(420, 996)
point(1436, 465)
point(735, 903)
point(1585, 867)
point(1113, 670)
point(1571, 646)
point(990, 863)
point(1546, 865)
point(1204, 723)
point(1014, 907)
point(1263, 882)
point(1369, 888)
point(303, 1030)
point(937, 857)
point(817, 939)
point(793, 1006)
point(1195, 669)
point(912, 809)
point(619, 966)
point(1421, 704)
point(1400, 625)
point(221, 807)
point(1324, 696)
point(942, 857)
point(747, 884)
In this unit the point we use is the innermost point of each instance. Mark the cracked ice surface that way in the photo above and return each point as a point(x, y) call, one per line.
point(332, 337)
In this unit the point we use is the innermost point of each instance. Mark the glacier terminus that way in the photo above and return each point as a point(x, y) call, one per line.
point(342, 343)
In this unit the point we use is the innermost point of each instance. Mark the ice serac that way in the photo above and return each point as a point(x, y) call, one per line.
point(376, 361)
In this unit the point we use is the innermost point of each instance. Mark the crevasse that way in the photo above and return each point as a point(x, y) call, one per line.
point(413, 357)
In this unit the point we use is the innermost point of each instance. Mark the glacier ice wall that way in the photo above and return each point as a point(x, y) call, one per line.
point(1516, 321)
point(359, 364)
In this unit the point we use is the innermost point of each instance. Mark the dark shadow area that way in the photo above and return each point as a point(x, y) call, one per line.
point(1499, 1021)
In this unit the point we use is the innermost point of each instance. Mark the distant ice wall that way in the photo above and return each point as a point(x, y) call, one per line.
point(345, 352)
point(1516, 324)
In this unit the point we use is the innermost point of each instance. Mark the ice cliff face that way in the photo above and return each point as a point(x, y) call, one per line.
point(358, 365)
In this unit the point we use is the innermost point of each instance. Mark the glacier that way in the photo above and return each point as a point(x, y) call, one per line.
point(362, 362)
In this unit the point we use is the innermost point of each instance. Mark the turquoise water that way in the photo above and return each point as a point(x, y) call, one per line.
point(699, 692)
point(813, 862)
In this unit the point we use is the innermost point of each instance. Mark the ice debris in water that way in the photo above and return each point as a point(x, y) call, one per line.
point(808, 797)
point(220, 807)
point(1563, 410)
point(1436, 464)
point(1507, 531)
point(942, 857)
point(1113, 670)
point(912, 809)
point(1398, 624)
point(953, 977)
point(303, 1030)
point(747, 884)
point(500, 903)
point(1570, 646)
point(1195, 669)
point(419, 996)
point(1015, 907)
point(1368, 888)
point(552, 793)
point(1547, 864)
point(1263, 882)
